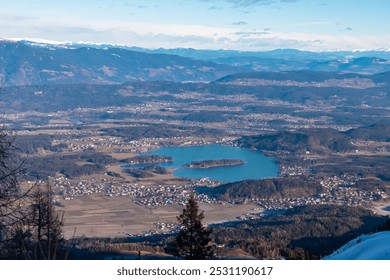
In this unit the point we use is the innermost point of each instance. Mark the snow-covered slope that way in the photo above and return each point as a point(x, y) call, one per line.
point(365, 247)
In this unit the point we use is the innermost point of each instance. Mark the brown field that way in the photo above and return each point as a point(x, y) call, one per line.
point(97, 216)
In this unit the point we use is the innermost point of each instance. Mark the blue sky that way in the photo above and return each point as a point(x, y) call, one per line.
point(316, 25)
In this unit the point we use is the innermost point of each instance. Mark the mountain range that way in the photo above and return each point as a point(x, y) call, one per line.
point(31, 63)
point(364, 62)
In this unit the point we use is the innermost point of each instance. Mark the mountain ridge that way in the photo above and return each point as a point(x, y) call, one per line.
point(223, 52)
point(35, 65)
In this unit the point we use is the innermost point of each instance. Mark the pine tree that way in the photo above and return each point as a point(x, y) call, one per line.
point(193, 240)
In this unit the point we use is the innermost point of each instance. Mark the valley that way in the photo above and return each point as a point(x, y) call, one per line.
point(327, 132)
point(87, 142)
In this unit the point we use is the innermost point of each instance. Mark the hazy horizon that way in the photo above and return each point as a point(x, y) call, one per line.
point(245, 25)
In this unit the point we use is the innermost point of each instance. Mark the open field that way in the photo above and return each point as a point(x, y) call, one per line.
point(97, 216)
point(382, 207)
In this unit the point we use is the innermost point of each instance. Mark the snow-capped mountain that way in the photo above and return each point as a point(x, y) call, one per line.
point(365, 247)
point(35, 62)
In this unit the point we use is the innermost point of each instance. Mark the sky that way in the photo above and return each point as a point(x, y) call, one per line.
point(249, 25)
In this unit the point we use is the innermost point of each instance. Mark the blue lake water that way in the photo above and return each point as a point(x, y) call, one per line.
point(256, 165)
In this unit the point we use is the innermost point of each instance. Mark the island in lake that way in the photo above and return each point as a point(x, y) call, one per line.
point(214, 163)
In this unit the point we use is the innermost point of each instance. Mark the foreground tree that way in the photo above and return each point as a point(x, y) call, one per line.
point(9, 189)
point(47, 225)
point(30, 227)
point(38, 234)
point(11, 196)
point(193, 242)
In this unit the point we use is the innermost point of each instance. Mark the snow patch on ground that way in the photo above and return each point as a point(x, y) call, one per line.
point(365, 247)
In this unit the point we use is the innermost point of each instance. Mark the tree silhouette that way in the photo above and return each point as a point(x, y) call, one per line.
point(9, 188)
point(47, 225)
point(38, 235)
point(12, 198)
point(193, 240)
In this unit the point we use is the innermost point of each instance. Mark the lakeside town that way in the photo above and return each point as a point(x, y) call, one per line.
point(87, 146)
point(337, 190)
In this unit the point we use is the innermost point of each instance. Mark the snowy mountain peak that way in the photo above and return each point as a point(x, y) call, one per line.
point(37, 42)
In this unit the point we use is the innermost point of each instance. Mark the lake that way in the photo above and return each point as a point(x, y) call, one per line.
point(256, 165)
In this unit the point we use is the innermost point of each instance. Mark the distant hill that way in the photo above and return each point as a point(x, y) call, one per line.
point(264, 189)
point(364, 62)
point(363, 65)
point(304, 232)
point(286, 54)
point(382, 77)
point(298, 76)
point(316, 140)
point(306, 78)
point(29, 64)
point(312, 140)
point(282, 60)
point(375, 132)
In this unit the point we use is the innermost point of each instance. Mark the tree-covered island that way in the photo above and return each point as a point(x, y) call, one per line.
point(214, 163)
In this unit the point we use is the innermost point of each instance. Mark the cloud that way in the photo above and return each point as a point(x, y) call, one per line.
point(156, 35)
point(249, 3)
point(16, 18)
point(315, 23)
point(241, 22)
point(256, 33)
point(215, 7)
point(346, 29)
